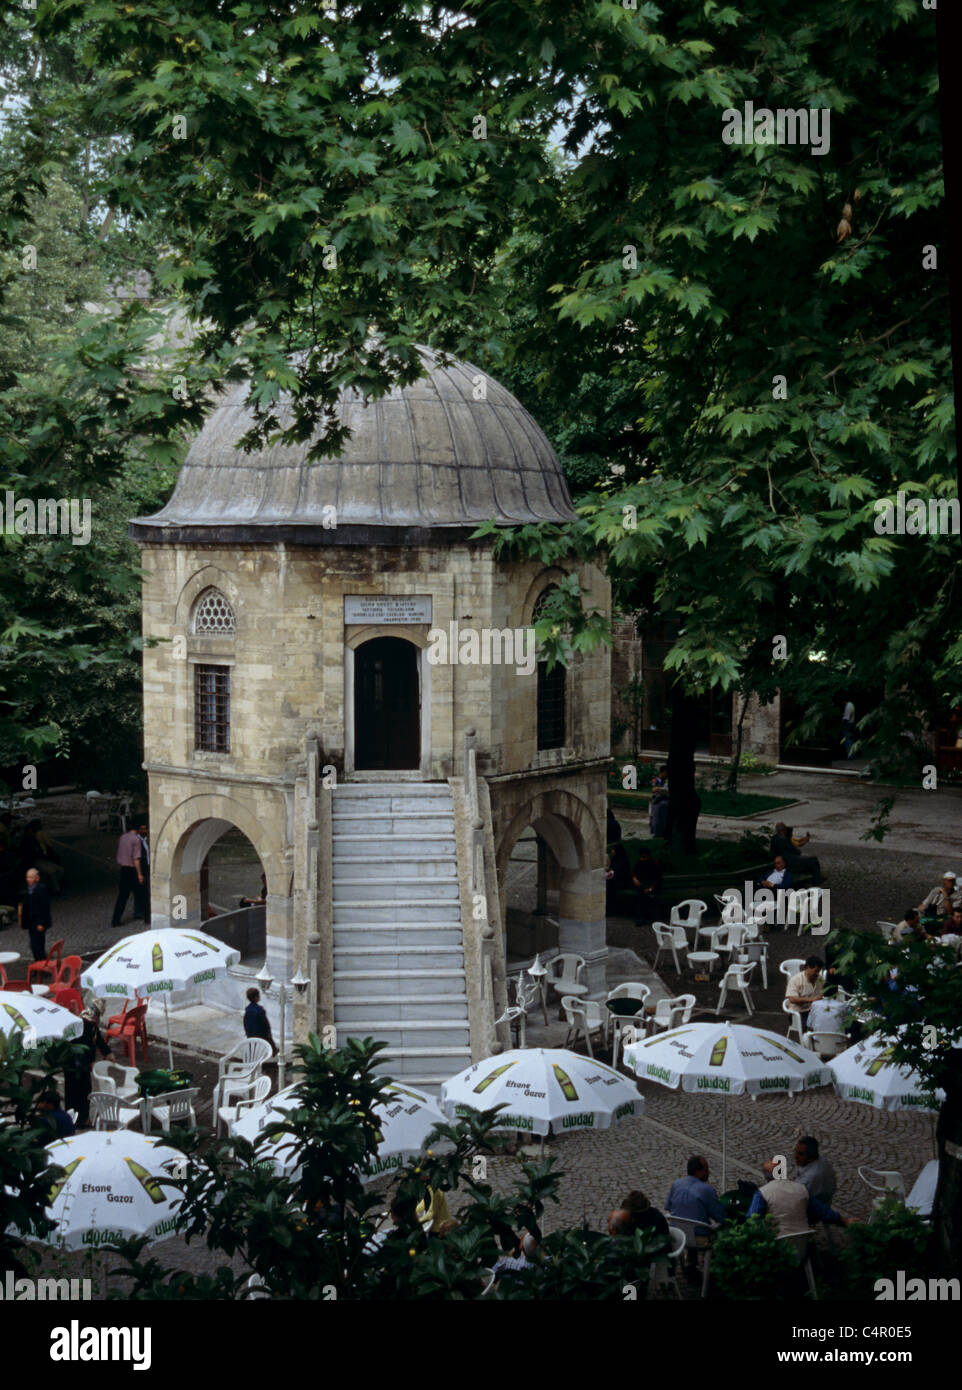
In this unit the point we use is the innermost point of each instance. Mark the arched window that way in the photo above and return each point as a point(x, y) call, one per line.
point(551, 691)
point(213, 614)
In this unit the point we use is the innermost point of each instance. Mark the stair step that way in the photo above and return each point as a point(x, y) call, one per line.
point(411, 893)
point(403, 847)
point(387, 1009)
point(396, 934)
point(378, 826)
point(436, 1052)
point(429, 973)
point(389, 868)
point(398, 914)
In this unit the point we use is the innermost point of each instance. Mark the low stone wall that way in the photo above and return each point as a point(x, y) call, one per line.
point(244, 929)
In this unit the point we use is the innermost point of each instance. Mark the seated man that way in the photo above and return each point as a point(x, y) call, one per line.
point(949, 932)
point(522, 1259)
point(909, 929)
point(54, 1117)
point(693, 1199)
point(804, 988)
point(643, 1216)
point(814, 1172)
point(942, 899)
point(791, 1205)
point(782, 845)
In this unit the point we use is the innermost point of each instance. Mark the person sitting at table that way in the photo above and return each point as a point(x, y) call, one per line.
point(261, 899)
point(804, 988)
point(53, 1117)
point(642, 1215)
point(78, 1081)
point(523, 1258)
point(694, 1199)
point(791, 1205)
point(647, 877)
point(949, 932)
point(943, 897)
point(910, 928)
point(815, 1172)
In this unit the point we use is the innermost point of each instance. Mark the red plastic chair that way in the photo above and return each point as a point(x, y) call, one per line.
point(131, 1029)
point(11, 986)
point(117, 1020)
point(68, 972)
point(68, 999)
point(40, 969)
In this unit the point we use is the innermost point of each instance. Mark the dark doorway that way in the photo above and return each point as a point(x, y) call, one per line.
point(387, 706)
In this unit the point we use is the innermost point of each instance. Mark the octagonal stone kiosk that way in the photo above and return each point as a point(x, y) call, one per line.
point(348, 680)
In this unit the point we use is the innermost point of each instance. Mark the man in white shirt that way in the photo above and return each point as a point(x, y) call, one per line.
point(942, 898)
point(804, 988)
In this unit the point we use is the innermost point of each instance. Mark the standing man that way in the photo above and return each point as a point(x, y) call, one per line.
point(256, 1022)
point(142, 891)
point(130, 853)
point(34, 913)
point(815, 1172)
point(848, 727)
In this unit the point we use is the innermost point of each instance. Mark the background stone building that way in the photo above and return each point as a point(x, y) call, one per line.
point(292, 694)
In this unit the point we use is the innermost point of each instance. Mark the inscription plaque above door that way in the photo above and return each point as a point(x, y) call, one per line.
point(387, 608)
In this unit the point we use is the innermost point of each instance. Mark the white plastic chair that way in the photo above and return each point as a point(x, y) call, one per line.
point(671, 939)
point(662, 1277)
point(756, 953)
point(243, 1062)
point(805, 908)
point(110, 1112)
point(736, 978)
point(888, 929)
point(732, 943)
point(564, 970)
point(584, 1016)
point(795, 1028)
point(888, 1181)
point(171, 1107)
point(688, 914)
point(730, 905)
point(93, 805)
point(668, 1013)
point(826, 1045)
point(105, 1079)
point(628, 989)
point(799, 1243)
point(698, 1236)
point(788, 968)
point(246, 1093)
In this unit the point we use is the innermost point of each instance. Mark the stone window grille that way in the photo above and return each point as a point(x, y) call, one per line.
point(551, 692)
point(214, 614)
point(212, 709)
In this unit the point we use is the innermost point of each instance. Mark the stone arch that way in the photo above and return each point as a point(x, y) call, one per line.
point(185, 838)
point(207, 577)
point(544, 579)
point(418, 636)
point(568, 826)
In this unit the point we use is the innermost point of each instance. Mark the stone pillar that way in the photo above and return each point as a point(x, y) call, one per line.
point(582, 927)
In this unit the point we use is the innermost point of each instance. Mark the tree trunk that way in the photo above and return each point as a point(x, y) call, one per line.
point(947, 1210)
point(732, 783)
point(684, 803)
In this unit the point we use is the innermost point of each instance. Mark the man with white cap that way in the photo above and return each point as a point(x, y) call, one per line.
point(942, 898)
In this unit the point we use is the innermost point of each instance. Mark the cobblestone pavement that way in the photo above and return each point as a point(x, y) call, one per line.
point(867, 883)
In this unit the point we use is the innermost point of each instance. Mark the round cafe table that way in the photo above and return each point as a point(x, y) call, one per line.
point(705, 958)
point(40, 990)
point(8, 957)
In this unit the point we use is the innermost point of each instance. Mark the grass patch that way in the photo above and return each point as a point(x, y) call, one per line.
point(713, 803)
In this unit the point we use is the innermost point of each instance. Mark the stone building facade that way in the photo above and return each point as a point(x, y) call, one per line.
point(296, 608)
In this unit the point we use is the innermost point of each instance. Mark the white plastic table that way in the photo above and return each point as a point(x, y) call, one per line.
point(706, 958)
point(922, 1195)
point(8, 957)
point(40, 989)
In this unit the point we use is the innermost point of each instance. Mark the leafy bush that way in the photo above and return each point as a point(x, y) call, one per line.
point(895, 1239)
point(747, 1262)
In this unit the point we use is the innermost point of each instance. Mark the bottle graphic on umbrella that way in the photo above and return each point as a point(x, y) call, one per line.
point(157, 957)
point(149, 1183)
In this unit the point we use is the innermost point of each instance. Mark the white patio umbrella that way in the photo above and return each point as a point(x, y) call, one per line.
point(547, 1090)
point(726, 1059)
point(159, 962)
point(113, 1189)
point(36, 1018)
point(407, 1119)
point(866, 1073)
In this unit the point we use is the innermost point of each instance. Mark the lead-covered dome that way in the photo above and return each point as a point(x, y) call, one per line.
point(425, 456)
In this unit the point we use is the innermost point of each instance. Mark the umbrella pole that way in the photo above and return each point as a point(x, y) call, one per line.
point(724, 1147)
point(170, 1050)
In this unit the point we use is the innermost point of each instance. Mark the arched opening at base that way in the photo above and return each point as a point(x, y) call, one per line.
point(229, 883)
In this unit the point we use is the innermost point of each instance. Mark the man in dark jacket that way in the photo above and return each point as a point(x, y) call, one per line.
point(783, 844)
point(256, 1022)
point(34, 914)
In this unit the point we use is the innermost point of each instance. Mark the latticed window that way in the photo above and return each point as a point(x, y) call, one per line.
point(551, 692)
point(212, 709)
point(213, 613)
